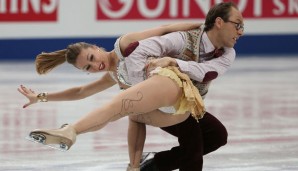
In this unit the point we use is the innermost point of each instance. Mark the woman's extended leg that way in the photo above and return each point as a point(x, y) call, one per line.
point(151, 94)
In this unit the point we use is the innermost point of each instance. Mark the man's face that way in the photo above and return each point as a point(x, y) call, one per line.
point(232, 29)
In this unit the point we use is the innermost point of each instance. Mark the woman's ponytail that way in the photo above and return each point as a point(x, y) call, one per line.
point(45, 62)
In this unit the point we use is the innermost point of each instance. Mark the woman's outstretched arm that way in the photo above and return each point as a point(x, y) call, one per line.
point(157, 31)
point(161, 30)
point(74, 93)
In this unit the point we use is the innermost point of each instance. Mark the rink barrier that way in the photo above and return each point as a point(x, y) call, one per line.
point(248, 45)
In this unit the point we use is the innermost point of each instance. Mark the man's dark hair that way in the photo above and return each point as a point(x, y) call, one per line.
point(221, 10)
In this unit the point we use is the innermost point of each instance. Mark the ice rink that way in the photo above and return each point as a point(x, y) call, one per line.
point(257, 100)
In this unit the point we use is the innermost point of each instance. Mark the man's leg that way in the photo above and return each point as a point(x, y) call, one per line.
point(195, 140)
point(214, 133)
point(190, 149)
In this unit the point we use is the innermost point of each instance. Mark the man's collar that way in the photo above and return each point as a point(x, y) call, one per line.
point(208, 46)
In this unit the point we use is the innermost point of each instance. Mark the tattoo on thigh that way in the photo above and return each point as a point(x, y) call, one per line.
point(128, 105)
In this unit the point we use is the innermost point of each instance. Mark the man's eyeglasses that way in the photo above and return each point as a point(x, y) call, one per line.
point(238, 26)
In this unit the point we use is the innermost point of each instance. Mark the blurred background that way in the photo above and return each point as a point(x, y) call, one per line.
point(28, 27)
point(257, 99)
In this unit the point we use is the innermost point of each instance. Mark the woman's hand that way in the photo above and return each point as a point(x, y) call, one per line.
point(30, 94)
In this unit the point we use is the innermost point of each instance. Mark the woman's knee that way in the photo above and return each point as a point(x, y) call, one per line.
point(133, 118)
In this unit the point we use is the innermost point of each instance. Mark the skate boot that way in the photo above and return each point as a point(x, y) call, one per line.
point(147, 156)
point(61, 139)
point(147, 162)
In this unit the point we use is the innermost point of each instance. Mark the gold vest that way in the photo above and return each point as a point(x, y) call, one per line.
point(191, 52)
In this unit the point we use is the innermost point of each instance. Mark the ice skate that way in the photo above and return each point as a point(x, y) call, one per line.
point(61, 139)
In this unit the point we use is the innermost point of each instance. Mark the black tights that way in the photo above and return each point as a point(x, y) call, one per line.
point(195, 140)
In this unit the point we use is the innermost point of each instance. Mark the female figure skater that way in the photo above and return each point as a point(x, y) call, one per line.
point(131, 101)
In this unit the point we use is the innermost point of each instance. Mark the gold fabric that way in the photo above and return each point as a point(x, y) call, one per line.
point(191, 100)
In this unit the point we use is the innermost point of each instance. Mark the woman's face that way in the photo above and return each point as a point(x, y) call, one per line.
point(93, 59)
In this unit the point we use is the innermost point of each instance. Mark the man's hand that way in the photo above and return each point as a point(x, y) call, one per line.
point(160, 62)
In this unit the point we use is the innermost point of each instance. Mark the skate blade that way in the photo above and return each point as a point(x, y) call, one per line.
point(40, 139)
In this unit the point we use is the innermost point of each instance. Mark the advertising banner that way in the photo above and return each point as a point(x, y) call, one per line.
point(52, 24)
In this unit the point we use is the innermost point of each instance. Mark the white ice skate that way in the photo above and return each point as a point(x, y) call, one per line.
point(61, 139)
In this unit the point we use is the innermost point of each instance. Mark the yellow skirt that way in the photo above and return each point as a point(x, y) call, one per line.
point(191, 100)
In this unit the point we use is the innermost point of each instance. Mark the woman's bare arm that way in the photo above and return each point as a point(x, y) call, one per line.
point(157, 31)
point(74, 93)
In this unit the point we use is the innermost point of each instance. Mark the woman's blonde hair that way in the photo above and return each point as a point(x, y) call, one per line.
point(45, 62)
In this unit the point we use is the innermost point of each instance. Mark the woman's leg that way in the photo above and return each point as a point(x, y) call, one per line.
point(137, 131)
point(136, 139)
point(151, 94)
